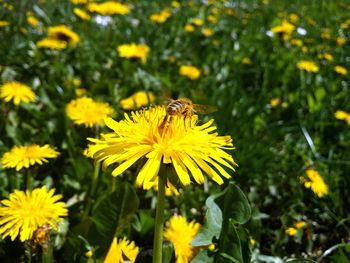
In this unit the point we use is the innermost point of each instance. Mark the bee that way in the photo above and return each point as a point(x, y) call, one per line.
point(184, 107)
point(41, 237)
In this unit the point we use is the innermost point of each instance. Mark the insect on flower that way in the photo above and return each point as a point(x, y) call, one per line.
point(186, 108)
point(41, 237)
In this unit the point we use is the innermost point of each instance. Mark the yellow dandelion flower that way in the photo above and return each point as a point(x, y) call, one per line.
point(4, 23)
point(326, 56)
point(86, 111)
point(207, 32)
point(181, 233)
point(161, 17)
point(299, 224)
point(246, 61)
point(24, 212)
point(139, 51)
point(32, 20)
point(275, 102)
point(175, 4)
point(341, 70)
point(20, 157)
point(340, 41)
point(308, 66)
point(79, 2)
point(212, 19)
point(190, 72)
point(252, 241)
point(81, 14)
point(189, 28)
point(80, 92)
point(293, 18)
point(291, 231)
point(108, 8)
point(316, 183)
point(326, 35)
point(230, 12)
point(17, 92)
point(342, 115)
point(51, 43)
point(122, 251)
point(296, 42)
point(184, 144)
point(63, 33)
point(137, 100)
point(197, 21)
point(89, 254)
point(284, 28)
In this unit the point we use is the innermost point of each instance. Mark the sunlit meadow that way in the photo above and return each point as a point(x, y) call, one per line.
point(103, 160)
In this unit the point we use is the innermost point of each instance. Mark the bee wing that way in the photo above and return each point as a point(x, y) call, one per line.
point(204, 109)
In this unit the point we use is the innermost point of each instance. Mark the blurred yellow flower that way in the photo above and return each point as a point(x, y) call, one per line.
point(24, 212)
point(108, 8)
point(161, 17)
point(137, 100)
point(20, 157)
point(175, 4)
point(4, 23)
point(340, 41)
point(182, 143)
point(326, 56)
point(342, 115)
point(16, 91)
point(78, 2)
point(246, 61)
point(341, 70)
point(315, 182)
point(212, 19)
point(197, 21)
point(252, 241)
point(86, 111)
point(189, 28)
point(299, 224)
point(80, 92)
point(284, 28)
point(181, 233)
point(275, 102)
point(190, 71)
point(308, 66)
point(63, 33)
point(296, 42)
point(32, 20)
point(121, 251)
point(133, 50)
point(293, 18)
point(81, 14)
point(291, 231)
point(230, 12)
point(51, 43)
point(207, 32)
point(326, 35)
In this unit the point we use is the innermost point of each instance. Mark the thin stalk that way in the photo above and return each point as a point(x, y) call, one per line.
point(47, 255)
point(28, 180)
point(92, 190)
point(158, 227)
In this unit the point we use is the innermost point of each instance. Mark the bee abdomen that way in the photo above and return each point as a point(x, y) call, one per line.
point(175, 107)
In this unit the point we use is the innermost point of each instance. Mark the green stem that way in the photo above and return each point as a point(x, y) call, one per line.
point(47, 255)
point(158, 228)
point(93, 188)
point(28, 180)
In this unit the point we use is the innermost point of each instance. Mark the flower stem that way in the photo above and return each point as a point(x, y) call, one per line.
point(158, 228)
point(28, 180)
point(93, 188)
point(47, 256)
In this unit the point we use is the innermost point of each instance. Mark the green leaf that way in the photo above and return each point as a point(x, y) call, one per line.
point(212, 226)
point(202, 256)
point(112, 215)
point(300, 260)
point(236, 205)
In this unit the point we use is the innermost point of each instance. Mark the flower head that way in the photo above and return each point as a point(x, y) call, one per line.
point(122, 251)
point(284, 28)
point(189, 28)
point(16, 91)
point(183, 143)
point(24, 212)
point(81, 14)
point(63, 33)
point(207, 32)
point(137, 100)
point(161, 17)
point(88, 112)
point(315, 182)
point(20, 157)
point(308, 66)
point(134, 51)
point(342, 115)
point(190, 72)
point(51, 43)
point(291, 231)
point(4, 23)
point(341, 70)
point(108, 8)
point(181, 233)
